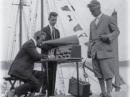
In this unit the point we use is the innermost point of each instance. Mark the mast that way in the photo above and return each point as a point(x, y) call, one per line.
point(42, 3)
point(20, 20)
point(20, 23)
point(20, 7)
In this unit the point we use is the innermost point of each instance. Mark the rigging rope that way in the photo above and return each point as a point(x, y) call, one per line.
point(26, 26)
point(33, 28)
point(30, 12)
point(14, 37)
point(48, 9)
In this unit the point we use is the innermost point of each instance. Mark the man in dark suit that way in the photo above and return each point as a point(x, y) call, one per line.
point(103, 31)
point(22, 66)
point(51, 33)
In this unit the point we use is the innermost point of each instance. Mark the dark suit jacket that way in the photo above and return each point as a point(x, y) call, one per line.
point(47, 30)
point(23, 63)
point(106, 26)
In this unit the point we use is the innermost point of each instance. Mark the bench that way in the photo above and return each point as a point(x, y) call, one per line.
point(12, 81)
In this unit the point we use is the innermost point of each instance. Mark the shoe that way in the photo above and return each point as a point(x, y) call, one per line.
point(108, 95)
point(117, 87)
point(103, 95)
point(11, 93)
point(31, 95)
point(16, 96)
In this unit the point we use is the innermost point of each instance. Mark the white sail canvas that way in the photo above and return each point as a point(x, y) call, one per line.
point(73, 19)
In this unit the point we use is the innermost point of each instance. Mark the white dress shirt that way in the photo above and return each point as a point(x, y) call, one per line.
point(34, 41)
point(98, 18)
point(37, 66)
point(52, 28)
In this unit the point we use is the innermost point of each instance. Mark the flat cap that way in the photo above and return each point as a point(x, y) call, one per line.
point(93, 3)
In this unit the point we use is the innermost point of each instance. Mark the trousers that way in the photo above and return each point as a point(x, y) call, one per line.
point(32, 84)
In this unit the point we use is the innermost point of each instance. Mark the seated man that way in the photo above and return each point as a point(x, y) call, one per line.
point(22, 66)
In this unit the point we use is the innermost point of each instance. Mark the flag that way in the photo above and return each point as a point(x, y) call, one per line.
point(65, 8)
point(69, 16)
point(83, 35)
point(72, 8)
point(77, 28)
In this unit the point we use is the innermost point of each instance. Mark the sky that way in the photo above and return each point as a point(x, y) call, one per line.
point(83, 16)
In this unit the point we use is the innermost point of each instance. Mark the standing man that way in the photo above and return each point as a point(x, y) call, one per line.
point(103, 31)
point(51, 33)
point(22, 66)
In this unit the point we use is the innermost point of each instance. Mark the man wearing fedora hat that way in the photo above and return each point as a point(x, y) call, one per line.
point(103, 31)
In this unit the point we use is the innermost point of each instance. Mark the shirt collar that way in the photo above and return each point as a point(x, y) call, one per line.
point(99, 16)
point(34, 41)
point(50, 27)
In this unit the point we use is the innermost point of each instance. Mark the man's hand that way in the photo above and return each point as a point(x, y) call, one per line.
point(51, 57)
point(44, 56)
point(104, 38)
point(89, 54)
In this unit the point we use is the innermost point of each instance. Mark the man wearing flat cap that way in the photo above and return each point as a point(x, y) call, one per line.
point(103, 31)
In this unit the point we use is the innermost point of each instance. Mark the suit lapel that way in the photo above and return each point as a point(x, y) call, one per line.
point(94, 26)
point(100, 21)
point(48, 32)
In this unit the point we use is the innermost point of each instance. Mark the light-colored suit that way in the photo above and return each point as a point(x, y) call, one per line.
point(101, 51)
point(98, 48)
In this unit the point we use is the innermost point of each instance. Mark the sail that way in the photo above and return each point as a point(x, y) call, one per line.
point(73, 19)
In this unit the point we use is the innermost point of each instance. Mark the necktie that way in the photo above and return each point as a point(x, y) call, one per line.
point(96, 21)
point(53, 33)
